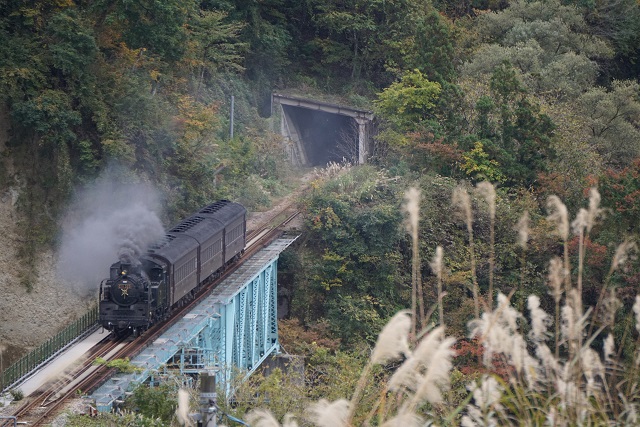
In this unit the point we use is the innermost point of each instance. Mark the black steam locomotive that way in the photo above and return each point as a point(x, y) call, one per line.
point(141, 292)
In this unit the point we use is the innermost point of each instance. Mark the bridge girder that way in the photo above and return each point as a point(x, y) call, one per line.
point(235, 327)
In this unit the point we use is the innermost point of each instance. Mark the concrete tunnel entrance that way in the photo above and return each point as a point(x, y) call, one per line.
point(317, 133)
point(325, 137)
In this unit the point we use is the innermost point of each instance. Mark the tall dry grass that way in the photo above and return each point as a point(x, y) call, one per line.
point(556, 373)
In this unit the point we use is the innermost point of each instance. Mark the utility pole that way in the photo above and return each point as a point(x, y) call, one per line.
point(231, 120)
point(208, 399)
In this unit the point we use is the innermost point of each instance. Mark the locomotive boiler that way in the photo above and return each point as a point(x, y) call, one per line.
point(142, 291)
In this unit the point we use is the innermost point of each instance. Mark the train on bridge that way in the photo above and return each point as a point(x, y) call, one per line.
point(141, 292)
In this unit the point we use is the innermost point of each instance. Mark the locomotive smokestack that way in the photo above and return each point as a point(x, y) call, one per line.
point(135, 232)
point(128, 256)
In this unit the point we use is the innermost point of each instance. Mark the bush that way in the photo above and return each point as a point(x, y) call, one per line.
point(16, 394)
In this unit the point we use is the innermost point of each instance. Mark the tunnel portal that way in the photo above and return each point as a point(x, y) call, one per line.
point(317, 133)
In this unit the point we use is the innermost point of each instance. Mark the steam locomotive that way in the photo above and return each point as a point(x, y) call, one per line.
point(141, 292)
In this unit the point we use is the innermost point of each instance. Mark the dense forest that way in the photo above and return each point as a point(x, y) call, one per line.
point(539, 98)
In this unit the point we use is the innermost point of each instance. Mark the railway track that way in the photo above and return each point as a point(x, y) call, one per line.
point(43, 405)
point(47, 399)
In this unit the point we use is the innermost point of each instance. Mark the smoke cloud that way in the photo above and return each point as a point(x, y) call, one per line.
point(107, 221)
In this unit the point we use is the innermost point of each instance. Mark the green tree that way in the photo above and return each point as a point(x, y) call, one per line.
point(549, 43)
point(71, 43)
point(158, 27)
point(612, 121)
point(50, 116)
point(369, 40)
point(267, 33)
point(153, 403)
point(354, 272)
point(479, 166)
point(349, 27)
point(421, 38)
point(619, 23)
point(409, 103)
point(214, 44)
point(521, 143)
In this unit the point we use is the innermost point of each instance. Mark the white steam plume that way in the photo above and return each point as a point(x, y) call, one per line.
point(107, 221)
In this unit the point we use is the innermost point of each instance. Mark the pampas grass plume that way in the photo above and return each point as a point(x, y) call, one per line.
point(622, 253)
point(488, 192)
point(486, 404)
point(438, 374)
point(264, 418)
point(547, 358)
point(594, 211)
point(591, 368)
point(508, 314)
point(436, 262)
point(461, 200)
point(539, 319)
point(329, 414)
point(261, 418)
point(488, 394)
point(412, 207)
point(404, 419)
point(636, 310)
point(611, 305)
point(523, 230)
point(426, 348)
point(405, 376)
point(556, 276)
point(580, 223)
point(182, 411)
point(608, 348)
point(437, 267)
point(393, 340)
point(289, 421)
point(558, 214)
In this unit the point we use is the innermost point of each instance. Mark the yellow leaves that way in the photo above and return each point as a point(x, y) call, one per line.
point(325, 218)
point(63, 3)
point(330, 256)
point(195, 120)
point(372, 259)
point(459, 277)
point(195, 131)
point(127, 55)
point(478, 164)
point(331, 283)
point(38, 9)
point(155, 75)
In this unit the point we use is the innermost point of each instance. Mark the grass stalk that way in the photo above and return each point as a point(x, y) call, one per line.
point(357, 394)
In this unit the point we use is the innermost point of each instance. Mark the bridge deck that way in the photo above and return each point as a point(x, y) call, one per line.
point(234, 327)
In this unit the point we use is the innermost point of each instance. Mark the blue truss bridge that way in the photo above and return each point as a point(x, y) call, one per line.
point(234, 328)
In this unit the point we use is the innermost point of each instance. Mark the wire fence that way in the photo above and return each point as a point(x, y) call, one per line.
point(49, 348)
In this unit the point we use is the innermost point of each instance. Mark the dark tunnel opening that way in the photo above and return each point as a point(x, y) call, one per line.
point(326, 137)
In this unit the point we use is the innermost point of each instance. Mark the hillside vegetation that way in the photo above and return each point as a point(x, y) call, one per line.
point(539, 98)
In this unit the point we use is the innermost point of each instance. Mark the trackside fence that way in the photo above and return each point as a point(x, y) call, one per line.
point(48, 349)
